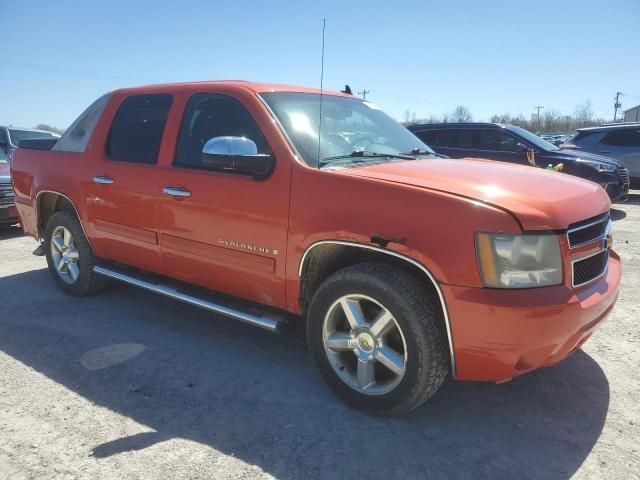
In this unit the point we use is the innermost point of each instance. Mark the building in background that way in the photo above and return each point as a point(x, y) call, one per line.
point(632, 115)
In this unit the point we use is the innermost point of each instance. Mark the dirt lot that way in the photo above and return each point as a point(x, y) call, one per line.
point(127, 384)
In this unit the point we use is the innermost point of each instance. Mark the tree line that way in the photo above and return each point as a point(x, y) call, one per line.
point(550, 121)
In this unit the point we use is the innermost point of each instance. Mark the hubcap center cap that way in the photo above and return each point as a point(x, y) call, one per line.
point(365, 342)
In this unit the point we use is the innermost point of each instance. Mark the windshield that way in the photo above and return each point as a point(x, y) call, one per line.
point(349, 126)
point(534, 139)
point(19, 135)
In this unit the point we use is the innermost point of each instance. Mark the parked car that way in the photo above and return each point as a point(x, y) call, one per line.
point(508, 143)
point(404, 266)
point(11, 136)
point(8, 212)
point(620, 141)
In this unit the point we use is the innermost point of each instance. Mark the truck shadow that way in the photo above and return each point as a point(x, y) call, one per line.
point(10, 231)
point(254, 395)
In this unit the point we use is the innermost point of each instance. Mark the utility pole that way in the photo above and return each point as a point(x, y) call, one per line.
point(616, 106)
point(364, 93)
point(539, 107)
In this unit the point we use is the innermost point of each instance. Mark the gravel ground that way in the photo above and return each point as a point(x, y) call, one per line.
point(127, 384)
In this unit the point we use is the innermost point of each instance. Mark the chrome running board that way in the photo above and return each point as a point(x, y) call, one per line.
point(268, 323)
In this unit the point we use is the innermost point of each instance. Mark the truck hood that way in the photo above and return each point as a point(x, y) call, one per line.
point(539, 199)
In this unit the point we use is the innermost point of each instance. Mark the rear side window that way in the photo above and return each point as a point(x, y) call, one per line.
point(77, 136)
point(210, 115)
point(496, 140)
point(136, 132)
point(627, 137)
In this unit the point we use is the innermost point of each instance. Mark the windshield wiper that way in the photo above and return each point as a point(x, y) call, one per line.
point(422, 151)
point(364, 154)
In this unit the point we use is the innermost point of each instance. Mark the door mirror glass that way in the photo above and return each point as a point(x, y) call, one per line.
point(236, 155)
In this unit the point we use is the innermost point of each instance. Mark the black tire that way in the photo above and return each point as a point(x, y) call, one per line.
point(418, 314)
point(88, 281)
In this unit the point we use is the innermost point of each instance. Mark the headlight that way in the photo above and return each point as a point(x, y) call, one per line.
point(519, 261)
point(599, 166)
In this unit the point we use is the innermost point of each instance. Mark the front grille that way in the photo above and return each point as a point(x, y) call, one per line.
point(623, 175)
point(590, 268)
point(588, 230)
point(7, 195)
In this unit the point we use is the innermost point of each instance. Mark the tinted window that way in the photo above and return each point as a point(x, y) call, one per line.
point(463, 138)
point(496, 140)
point(436, 138)
point(136, 132)
point(211, 115)
point(628, 137)
point(77, 136)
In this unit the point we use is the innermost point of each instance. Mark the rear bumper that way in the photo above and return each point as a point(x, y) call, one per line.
point(499, 334)
point(8, 215)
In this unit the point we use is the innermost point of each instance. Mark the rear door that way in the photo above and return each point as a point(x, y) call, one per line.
point(222, 230)
point(122, 196)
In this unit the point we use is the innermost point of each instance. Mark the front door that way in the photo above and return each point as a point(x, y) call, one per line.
point(221, 230)
point(122, 195)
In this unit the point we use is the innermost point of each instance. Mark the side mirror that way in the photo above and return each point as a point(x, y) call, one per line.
point(522, 148)
point(237, 155)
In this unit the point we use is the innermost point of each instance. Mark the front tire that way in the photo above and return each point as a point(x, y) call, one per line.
point(375, 334)
point(69, 255)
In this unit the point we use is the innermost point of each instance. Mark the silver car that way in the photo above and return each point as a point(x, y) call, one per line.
point(620, 141)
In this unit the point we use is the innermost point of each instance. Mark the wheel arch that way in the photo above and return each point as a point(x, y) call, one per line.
point(50, 201)
point(325, 257)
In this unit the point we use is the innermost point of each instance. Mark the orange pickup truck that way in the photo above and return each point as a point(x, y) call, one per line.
point(273, 204)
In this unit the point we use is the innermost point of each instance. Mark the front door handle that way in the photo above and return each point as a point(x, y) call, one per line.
point(176, 192)
point(604, 151)
point(103, 180)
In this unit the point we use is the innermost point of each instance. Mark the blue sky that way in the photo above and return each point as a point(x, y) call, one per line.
point(423, 56)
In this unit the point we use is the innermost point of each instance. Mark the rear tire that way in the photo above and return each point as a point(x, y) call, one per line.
point(69, 255)
point(375, 333)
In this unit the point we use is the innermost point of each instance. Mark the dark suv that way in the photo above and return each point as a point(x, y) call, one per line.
point(508, 143)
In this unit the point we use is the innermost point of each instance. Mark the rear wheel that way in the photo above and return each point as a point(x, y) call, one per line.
point(375, 334)
point(69, 255)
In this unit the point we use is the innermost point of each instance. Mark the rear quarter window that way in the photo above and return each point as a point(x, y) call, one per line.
point(627, 137)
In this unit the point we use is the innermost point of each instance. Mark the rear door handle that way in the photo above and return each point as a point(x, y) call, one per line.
point(176, 192)
point(103, 180)
point(604, 151)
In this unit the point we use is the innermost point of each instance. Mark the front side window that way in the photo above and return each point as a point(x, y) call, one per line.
point(627, 137)
point(136, 132)
point(436, 138)
point(496, 140)
point(349, 126)
point(77, 136)
point(210, 115)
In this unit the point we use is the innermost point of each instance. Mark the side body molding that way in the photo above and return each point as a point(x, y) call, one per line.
point(406, 259)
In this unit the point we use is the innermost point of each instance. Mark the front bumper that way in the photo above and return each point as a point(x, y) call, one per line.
point(499, 334)
point(8, 215)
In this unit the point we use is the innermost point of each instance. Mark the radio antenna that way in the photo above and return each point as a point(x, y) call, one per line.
point(324, 24)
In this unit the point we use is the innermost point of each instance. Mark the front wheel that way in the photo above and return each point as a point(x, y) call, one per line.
point(375, 334)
